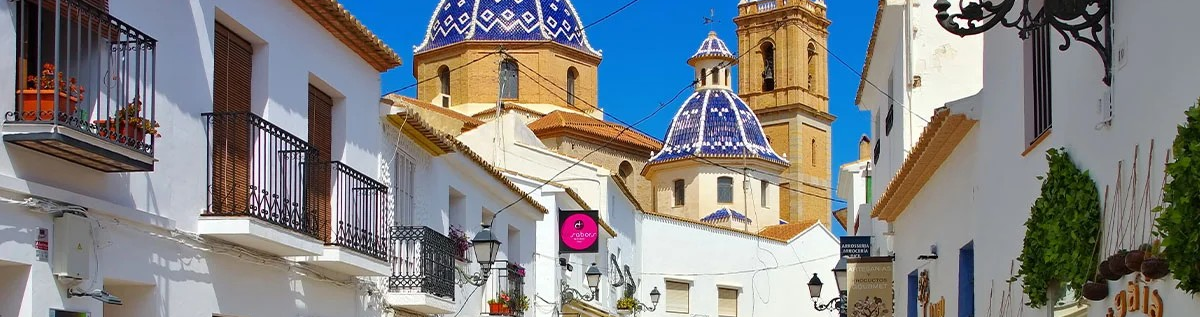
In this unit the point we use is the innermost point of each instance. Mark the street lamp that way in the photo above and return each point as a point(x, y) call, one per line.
point(593, 281)
point(815, 284)
point(486, 246)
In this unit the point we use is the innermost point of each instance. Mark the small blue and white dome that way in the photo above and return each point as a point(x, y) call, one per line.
point(714, 122)
point(726, 213)
point(713, 48)
point(457, 21)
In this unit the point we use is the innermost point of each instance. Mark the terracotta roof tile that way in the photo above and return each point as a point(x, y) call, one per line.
point(937, 142)
point(786, 232)
point(841, 214)
point(345, 27)
point(468, 122)
point(568, 123)
point(862, 84)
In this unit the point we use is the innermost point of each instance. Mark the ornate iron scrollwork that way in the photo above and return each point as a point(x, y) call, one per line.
point(1086, 21)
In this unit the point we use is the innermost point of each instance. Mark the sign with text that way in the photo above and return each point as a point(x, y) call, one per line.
point(579, 231)
point(856, 246)
point(869, 289)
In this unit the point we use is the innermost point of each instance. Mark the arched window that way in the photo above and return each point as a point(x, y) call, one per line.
point(704, 77)
point(812, 152)
point(444, 76)
point(572, 77)
point(768, 75)
point(728, 79)
point(812, 65)
point(678, 192)
point(716, 74)
point(508, 79)
point(725, 189)
point(625, 169)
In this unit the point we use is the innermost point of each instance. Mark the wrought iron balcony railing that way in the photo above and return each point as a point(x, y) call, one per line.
point(80, 68)
point(257, 169)
point(507, 286)
point(422, 262)
point(350, 207)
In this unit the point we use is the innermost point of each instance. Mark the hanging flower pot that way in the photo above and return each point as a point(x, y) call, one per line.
point(1116, 263)
point(1107, 273)
point(1133, 260)
point(1095, 290)
point(497, 309)
point(1155, 268)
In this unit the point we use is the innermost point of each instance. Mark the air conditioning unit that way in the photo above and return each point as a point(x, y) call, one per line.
point(442, 100)
point(71, 249)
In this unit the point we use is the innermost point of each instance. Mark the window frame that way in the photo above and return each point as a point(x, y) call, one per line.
point(572, 79)
point(736, 296)
point(679, 192)
point(768, 59)
point(1038, 85)
point(763, 188)
point(723, 197)
point(510, 79)
point(687, 302)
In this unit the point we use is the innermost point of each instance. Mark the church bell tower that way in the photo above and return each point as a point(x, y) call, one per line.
point(784, 79)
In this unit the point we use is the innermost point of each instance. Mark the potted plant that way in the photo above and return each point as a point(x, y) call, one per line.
point(626, 305)
point(1106, 271)
point(461, 242)
point(1133, 259)
point(1116, 263)
point(499, 305)
point(516, 269)
point(37, 102)
point(1095, 289)
point(517, 304)
point(1154, 266)
point(128, 122)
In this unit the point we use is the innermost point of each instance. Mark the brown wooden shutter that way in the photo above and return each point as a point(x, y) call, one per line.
point(320, 122)
point(232, 66)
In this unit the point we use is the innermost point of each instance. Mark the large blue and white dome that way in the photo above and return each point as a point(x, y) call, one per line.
point(457, 21)
point(714, 122)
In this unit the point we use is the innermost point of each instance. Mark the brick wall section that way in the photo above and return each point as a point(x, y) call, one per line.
point(609, 159)
point(478, 82)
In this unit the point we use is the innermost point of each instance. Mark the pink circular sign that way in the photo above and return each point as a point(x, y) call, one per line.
point(579, 232)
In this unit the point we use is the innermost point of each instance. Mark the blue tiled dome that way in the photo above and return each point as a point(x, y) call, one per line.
point(715, 123)
point(712, 47)
point(724, 213)
point(505, 20)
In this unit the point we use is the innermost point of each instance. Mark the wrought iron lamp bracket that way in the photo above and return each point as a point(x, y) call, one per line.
point(1086, 21)
point(570, 294)
point(838, 304)
point(477, 278)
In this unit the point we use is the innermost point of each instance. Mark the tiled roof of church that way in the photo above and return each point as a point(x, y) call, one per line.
point(715, 123)
point(563, 122)
point(457, 21)
point(713, 47)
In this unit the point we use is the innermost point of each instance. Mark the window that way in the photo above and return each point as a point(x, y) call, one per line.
point(625, 169)
point(509, 79)
point(912, 294)
point(679, 190)
point(725, 189)
point(966, 280)
point(1037, 84)
point(887, 123)
point(403, 172)
point(444, 77)
point(812, 152)
point(716, 74)
point(728, 79)
point(514, 245)
point(812, 66)
point(458, 208)
point(320, 122)
point(704, 77)
point(727, 305)
point(768, 75)
point(762, 192)
point(572, 77)
point(891, 91)
point(875, 157)
point(679, 295)
point(233, 63)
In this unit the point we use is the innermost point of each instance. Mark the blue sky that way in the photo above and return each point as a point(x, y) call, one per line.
point(645, 51)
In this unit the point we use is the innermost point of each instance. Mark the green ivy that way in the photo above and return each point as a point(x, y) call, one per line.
point(1176, 223)
point(1060, 236)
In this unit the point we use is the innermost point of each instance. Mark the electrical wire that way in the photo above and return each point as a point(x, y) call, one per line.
point(533, 45)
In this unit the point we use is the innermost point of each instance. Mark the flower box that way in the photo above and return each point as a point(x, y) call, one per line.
point(498, 309)
point(38, 104)
point(113, 130)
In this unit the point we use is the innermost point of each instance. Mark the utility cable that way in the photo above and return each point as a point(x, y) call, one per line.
point(532, 45)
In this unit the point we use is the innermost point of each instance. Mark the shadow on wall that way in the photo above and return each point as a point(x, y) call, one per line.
point(13, 278)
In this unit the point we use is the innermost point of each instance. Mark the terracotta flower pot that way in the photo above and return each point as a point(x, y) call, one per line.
point(1134, 259)
point(1116, 263)
point(497, 309)
point(1095, 291)
point(38, 104)
point(1155, 268)
point(107, 128)
point(1107, 272)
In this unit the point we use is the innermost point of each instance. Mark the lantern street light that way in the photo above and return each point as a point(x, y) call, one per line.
point(486, 246)
point(654, 296)
point(593, 281)
point(814, 290)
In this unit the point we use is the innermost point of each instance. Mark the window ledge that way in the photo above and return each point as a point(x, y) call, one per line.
point(1036, 142)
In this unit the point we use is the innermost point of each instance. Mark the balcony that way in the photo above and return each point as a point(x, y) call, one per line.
point(422, 271)
point(85, 87)
point(258, 187)
point(352, 218)
point(507, 286)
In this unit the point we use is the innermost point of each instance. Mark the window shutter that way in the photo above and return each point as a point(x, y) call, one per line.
point(320, 121)
point(678, 297)
point(727, 302)
point(232, 67)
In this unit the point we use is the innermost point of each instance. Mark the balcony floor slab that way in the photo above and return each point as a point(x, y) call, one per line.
point(79, 147)
point(347, 262)
point(419, 302)
point(260, 235)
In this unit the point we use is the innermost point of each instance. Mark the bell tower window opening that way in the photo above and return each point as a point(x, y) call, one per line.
point(768, 55)
point(716, 73)
point(444, 78)
point(572, 77)
point(509, 79)
point(704, 77)
point(812, 66)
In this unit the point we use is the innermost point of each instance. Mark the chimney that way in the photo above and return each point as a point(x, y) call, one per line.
point(864, 148)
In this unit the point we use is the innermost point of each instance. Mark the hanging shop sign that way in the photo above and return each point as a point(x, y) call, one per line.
point(856, 246)
point(869, 286)
point(579, 231)
point(1137, 299)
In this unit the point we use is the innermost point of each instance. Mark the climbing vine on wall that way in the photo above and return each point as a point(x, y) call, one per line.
point(1062, 230)
point(1176, 223)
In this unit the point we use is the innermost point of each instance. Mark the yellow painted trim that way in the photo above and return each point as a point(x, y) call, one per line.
point(1036, 142)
